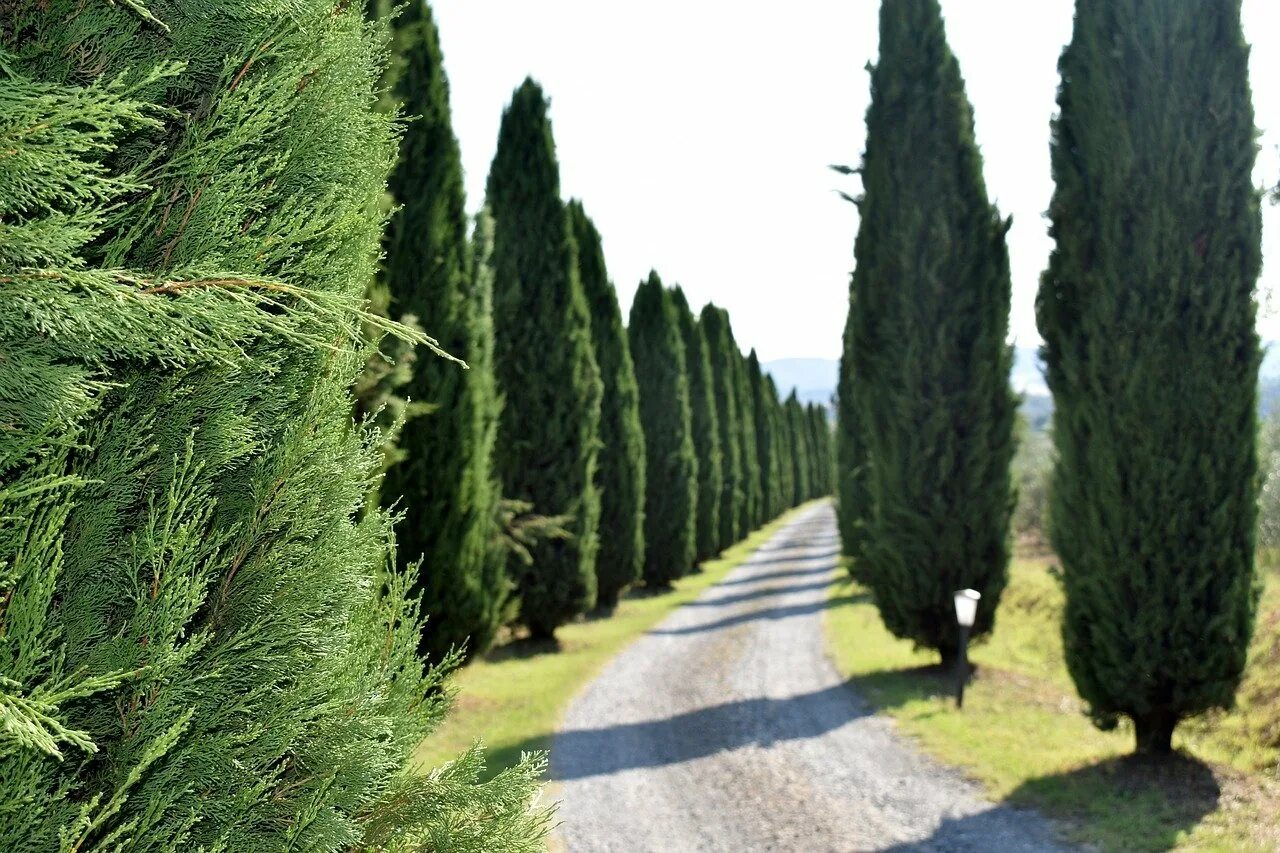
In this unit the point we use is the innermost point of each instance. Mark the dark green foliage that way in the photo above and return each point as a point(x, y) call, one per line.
point(706, 436)
point(930, 315)
point(784, 469)
point(853, 497)
point(445, 486)
point(1147, 311)
point(797, 436)
point(549, 434)
point(766, 468)
point(820, 444)
point(724, 357)
point(200, 646)
point(751, 515)
point(672, 469)
point(620, 476)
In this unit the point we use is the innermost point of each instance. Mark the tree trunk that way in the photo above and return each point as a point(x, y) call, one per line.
point(1155, 732)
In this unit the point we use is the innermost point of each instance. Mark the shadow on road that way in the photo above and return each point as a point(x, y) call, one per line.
point(738, 598)
point(580, 754)
point(796, 557)
point(823, 568)
point(785, 612)
point(976, 833)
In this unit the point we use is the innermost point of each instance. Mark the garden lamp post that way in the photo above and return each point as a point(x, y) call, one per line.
point(966, 614)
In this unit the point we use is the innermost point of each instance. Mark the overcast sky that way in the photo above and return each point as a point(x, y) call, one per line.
point(698, 135)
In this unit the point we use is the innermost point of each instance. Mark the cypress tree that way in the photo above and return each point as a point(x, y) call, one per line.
point(799, 450)
point(672, 469)
point(549, 433)
point(706, 438)
point(853, 496)
point(445, 485)
point(766, 468)
point(784, 470)
point(1148, 315)
point(621, 472)
point(820, 432)
point(723, 355)
point(200, 646)
point(929, 352)
point(750, 517)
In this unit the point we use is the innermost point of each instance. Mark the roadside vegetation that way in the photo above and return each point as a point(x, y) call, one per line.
point(513, 697)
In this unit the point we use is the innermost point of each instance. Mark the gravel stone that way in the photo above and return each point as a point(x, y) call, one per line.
point(726, 728)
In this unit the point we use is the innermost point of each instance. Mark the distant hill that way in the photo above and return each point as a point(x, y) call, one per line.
point(815, 381)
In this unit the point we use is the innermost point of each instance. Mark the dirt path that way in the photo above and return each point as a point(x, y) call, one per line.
point(726, 728)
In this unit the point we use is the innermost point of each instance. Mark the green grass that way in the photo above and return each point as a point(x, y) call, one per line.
point(1024, 736)
point(513, 697)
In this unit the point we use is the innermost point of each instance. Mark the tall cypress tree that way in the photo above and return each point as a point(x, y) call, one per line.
point(766, 469)
point(749, 518)
point(550, 429)
point(783, 469)
point(799, 450)
point(723, 355)
point(621, 472)
point(672, 468)
point(706, 437)
point(445, 485)
point(1148, 313)
point(853, 496)
point(200, 646)
point(929, 344)
point(821, 461)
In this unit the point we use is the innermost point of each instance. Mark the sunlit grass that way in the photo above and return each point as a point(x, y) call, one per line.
point(1023, 733)
point(513, 698)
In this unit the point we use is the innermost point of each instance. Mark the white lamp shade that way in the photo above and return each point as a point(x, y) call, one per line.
point(967, 606)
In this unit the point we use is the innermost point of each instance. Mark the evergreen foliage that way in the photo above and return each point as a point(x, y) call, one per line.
point(800, 467)
point(672, 469)
point(706, 437)
point(820, 431)
point(766, 467)
point(621, 472)
point(751, 514)
point(723, 355)
point(549, 432)
point(445, 485)
point(782, 465)
point(1148, 314)
point(200, 646)
point(931, 290)
point(853, 496)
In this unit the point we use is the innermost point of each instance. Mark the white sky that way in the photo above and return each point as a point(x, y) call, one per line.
point(698, 135)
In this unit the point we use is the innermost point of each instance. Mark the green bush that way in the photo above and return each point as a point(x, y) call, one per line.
point(202, 647)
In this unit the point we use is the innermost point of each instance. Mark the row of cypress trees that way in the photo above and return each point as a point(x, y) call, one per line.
point(200, 644)
point(1147, 311)
point(612, 435)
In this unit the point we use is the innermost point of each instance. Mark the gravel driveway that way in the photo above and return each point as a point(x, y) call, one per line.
point(726, 728)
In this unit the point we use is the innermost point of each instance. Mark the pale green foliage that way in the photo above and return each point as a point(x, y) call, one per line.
point(200, 645)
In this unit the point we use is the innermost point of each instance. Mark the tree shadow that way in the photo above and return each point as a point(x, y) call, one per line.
point(1155, 798)
point(805, 556)
point(768, 613)
point(737, 598)
point(824, 568)
point(1000, 828)
point(522, 648)
point(762, 721)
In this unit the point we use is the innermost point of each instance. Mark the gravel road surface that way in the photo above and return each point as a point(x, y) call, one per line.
point(726, 728)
